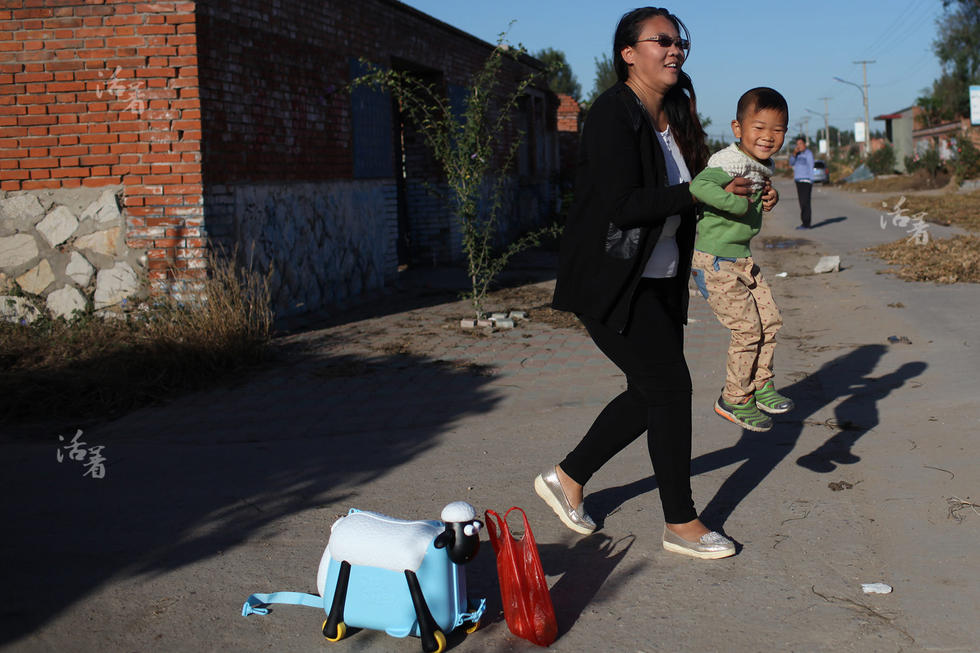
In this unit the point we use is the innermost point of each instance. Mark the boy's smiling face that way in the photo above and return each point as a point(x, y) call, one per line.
point(761, 132)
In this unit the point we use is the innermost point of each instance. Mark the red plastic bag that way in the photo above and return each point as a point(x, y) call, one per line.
point(523, 588)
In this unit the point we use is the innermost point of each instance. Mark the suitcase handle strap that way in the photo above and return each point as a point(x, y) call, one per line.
point(253, 603)
point(477, 608)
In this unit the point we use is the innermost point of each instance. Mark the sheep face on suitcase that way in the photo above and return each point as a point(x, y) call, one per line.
point(402, 577)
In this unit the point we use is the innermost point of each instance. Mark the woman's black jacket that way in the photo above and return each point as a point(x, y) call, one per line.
point(621, 202)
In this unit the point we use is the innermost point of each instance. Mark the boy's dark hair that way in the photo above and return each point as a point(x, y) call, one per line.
point(759, 98)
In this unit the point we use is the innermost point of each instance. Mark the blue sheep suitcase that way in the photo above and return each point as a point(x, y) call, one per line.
point(371, 579)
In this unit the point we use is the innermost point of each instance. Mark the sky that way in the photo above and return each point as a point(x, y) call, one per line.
point(794, 47)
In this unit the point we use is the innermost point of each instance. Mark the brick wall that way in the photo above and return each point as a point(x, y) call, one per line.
point(196, 107)
point(104, 93)
point(277, 110)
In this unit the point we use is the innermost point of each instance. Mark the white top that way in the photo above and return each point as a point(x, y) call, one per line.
point(664, 258)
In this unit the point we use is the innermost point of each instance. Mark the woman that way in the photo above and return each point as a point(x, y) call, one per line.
point(623, 269)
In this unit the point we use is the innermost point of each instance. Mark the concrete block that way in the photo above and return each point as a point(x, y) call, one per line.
point(17, 250)
point(37, 278)
point(827, 264)
point(21, 208)
point(113, 286)
point(15, 309)
point(65, 301)
point(79, 269)
point(104, 209)
point(58, 226)
point(101, 242)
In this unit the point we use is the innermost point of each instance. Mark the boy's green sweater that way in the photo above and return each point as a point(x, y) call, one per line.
point(730, 221)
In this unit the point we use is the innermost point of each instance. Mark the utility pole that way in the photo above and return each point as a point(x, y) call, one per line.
point(826, 127)
point(867, 116)
point(864, 96)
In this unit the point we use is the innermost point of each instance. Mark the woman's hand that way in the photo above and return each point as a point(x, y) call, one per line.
point(769, 197)
point(739, 186)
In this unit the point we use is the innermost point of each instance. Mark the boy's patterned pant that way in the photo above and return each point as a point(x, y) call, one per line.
point(742, 301)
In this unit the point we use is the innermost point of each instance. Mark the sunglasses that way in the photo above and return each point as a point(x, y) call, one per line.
point(665, 41)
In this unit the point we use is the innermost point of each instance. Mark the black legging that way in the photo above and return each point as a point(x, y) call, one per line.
point(657, 398)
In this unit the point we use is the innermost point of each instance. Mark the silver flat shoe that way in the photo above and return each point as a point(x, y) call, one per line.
point(710, 546)
point(549, 488)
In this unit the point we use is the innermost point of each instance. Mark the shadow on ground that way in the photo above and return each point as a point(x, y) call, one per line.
point(847, 376)
point(828, 221)
point(186, 482)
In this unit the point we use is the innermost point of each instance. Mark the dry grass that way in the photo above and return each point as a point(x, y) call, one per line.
point(96, 368)
point(960, 209)
point(918, 180)
point(950, 260)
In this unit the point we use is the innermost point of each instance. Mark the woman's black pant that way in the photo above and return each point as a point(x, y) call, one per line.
point(657, 398)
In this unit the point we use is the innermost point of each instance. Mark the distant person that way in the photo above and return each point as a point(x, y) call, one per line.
point(624, 266)
point(802, 161)
point(724, 270)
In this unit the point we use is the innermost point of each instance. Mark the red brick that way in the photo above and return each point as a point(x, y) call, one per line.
point(125, 41)
point(96, 182)
point(39, 163)
point(77, 150)
point(107, 159)
point(99, 138)
point(148, 30)
point(123, 20)
point(39, 185)
point(23, 78)
point(192, 191)
point(69, 172)
point(161, 179)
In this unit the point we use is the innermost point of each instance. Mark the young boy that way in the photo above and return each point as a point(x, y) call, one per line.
point(723, 267)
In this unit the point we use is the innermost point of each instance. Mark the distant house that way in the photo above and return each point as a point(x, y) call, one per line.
point(214, 122)
point(899, 127)
point(569, 126)
point(910, 137)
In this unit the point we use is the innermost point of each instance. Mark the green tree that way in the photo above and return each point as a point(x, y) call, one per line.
point(467, 147)
point(958, 49)
point(947, 100)
point(562, 80)
point(605, 76)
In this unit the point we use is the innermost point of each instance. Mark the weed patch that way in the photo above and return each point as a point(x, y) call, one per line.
point(96, 367)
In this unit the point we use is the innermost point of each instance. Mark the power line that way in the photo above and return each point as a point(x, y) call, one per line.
point(899, 18)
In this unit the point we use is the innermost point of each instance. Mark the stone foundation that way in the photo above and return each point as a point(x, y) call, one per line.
point(325, 242)
point(62, 248)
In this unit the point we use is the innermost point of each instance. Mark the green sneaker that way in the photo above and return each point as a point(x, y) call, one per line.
point(771, 401)
point(746, 415)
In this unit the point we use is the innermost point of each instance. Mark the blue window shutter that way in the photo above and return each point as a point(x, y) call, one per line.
point(371, 124)
point(457, 100)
